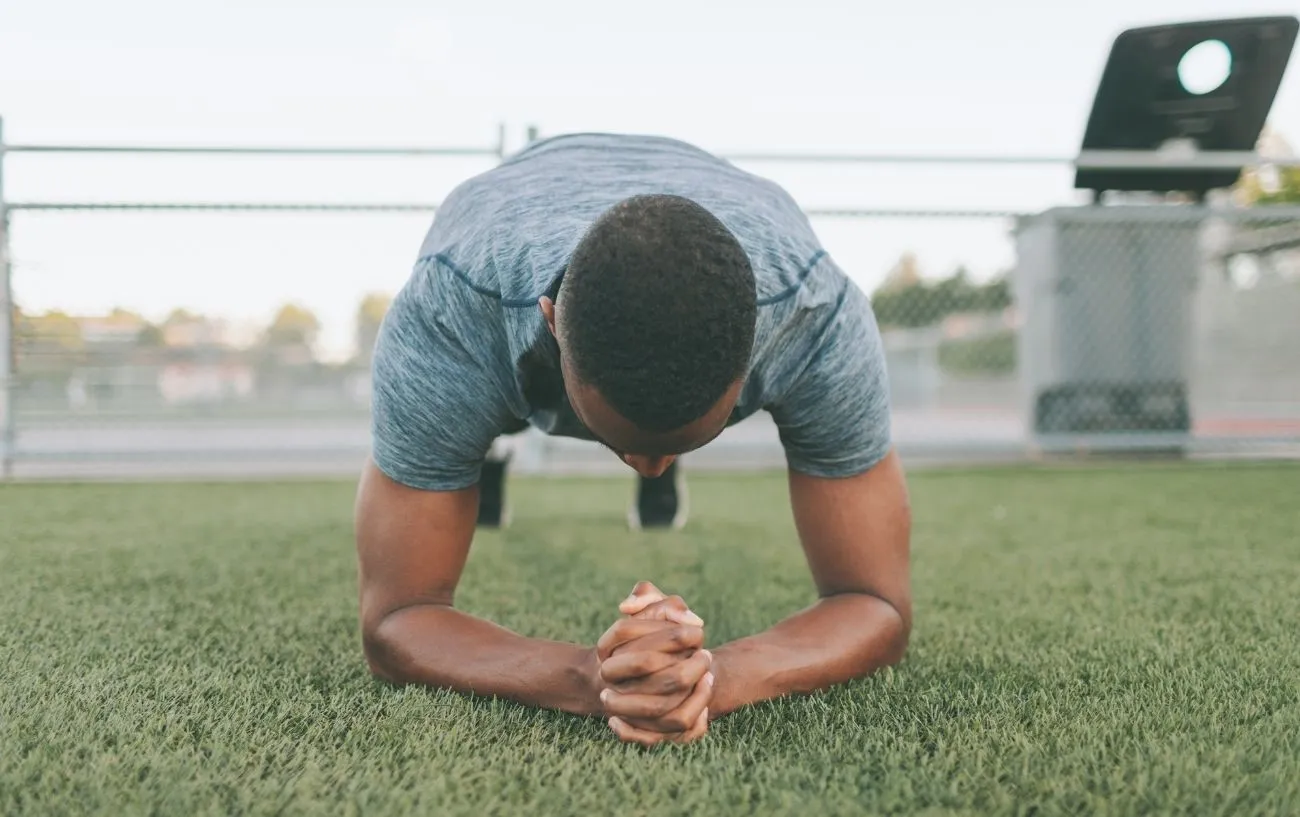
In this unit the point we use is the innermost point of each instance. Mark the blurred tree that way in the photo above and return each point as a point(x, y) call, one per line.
point(370, 316)
point(994, 296)
point(180, 315)
point(128, 321)
point(47, 342)
point(111, 340)
point(1267, 183)
point(954, 293)
point(290, 340)
point(183, 329)
point(906, 300)
point(150, 336)
point(53, 331)
point(905, 273)
point(293, 326)
point(1280, 185)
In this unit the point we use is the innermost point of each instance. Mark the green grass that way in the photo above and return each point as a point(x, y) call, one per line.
point(1111, 640)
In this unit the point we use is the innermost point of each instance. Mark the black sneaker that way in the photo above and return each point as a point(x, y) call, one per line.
point(661, 501)
point(493, 512)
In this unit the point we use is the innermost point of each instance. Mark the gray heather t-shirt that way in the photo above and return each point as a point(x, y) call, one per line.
point(464, 355)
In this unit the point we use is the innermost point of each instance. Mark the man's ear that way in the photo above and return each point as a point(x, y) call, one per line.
point(548, 312)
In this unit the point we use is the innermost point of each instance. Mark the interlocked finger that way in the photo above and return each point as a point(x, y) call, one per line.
point(678, 719)
point(626, 630)
point(655, 673)
point(666, 638)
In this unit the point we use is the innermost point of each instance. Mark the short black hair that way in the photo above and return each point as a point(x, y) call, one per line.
point(659, 309)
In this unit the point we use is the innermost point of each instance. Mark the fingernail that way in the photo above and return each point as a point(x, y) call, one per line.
point(614, 721)
point(691, 618)
point(708, 678)
point(604, 695)
point(708, 655)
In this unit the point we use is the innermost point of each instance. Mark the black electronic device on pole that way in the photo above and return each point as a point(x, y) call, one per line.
point(1144, 102)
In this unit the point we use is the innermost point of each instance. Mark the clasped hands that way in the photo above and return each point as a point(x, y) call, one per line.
point(655, 678)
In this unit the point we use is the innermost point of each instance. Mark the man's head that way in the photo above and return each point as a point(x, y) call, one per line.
point(655, 323)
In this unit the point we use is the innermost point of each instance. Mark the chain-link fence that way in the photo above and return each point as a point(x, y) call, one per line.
point(1088, 328)
point(1148, 325)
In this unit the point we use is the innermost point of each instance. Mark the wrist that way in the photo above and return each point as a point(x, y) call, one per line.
point(585, 674)
point(729, 692)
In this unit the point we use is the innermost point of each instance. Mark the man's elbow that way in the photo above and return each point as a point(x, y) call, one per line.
point(375, 654)
point(897, 640)
point(881, 635)
point(398, 645)
point(896, 634)
point(382, 651)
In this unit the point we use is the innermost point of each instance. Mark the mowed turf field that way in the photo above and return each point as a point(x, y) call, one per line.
point(1096, 640)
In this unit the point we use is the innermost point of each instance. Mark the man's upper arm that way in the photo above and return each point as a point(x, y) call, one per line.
point(833, 418)
point(441, 379)
point(412, 545)
point(848, 490)
point(856, 533)
point(439, 399)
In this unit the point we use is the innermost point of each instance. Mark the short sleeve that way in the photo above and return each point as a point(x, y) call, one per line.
point(440, 381)
point(834, 418)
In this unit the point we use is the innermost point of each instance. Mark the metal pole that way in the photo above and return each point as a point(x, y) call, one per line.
point(226, 206)
point(7, 435)
point(256, 150)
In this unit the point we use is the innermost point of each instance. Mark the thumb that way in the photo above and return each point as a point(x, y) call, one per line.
point(643, 595)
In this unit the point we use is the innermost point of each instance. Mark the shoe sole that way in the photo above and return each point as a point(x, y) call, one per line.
point(501, 456)
point(683, 507)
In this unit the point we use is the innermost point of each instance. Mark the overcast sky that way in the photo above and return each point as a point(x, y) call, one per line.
point(999, 77)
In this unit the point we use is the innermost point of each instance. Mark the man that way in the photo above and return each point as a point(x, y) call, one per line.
point(641, 293)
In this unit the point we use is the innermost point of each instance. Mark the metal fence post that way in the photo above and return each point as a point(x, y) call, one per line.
point(7, 345)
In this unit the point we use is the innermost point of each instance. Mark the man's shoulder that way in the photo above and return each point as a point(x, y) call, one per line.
point(820, 371)
point(813, 293)
point(437, 304)
point(794, 327)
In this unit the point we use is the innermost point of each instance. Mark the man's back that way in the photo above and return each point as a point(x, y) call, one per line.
point(512, 229)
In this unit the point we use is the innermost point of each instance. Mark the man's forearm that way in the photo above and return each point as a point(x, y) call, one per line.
point(840, 638)
point(440, 646)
